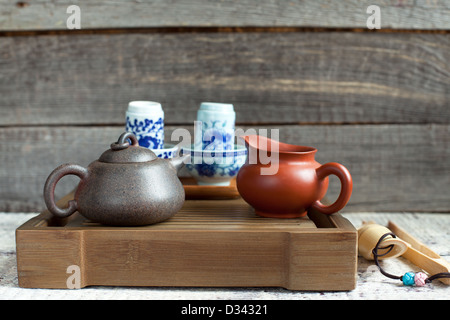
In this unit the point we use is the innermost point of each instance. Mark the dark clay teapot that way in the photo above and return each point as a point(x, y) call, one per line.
point(127, 186)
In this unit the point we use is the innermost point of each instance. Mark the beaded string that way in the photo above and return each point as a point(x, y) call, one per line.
point(409, 278)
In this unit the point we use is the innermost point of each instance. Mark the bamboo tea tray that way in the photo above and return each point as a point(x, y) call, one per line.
point(209, 243)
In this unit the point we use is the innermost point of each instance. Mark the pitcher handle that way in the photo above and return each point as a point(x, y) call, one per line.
point(50, 184)
point(346, 187)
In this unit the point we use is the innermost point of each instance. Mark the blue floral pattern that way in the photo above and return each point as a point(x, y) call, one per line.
point(165, 155)
point(213, 129)
point(150, 134)
point(216, 163)
point(212, 170)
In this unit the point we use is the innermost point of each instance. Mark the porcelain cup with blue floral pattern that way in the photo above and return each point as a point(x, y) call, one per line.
point(215, 167)
point(168, 152)
point(217, 122)
point(145, 119)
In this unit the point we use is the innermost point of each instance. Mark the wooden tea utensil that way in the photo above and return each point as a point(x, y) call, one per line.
point(403, 245)
point(421, 255)
point(368, 236)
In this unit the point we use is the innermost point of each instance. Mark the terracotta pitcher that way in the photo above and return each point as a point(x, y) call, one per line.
point(299, 183)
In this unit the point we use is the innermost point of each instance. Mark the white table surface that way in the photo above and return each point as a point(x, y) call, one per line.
point(433, 229)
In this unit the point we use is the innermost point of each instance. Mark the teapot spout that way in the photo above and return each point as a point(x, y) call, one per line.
point(178, 162)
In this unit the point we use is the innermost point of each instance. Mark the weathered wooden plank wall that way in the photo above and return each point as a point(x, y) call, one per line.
point(399, 14)
point(274, 77)
point(378, 102)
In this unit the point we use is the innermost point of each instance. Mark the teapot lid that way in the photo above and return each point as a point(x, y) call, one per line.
point(122, 152)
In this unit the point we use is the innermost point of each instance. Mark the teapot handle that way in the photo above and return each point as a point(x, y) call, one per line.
point(346, 187)
point(50, 184)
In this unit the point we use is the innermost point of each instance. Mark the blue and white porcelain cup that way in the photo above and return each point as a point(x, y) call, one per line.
point(217, 122)
point(215, 168)
point(170, 151)
point(146, 120)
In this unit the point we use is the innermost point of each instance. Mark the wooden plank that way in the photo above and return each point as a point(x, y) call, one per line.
point(269, 77)
point(394, 167)
point(52, 15)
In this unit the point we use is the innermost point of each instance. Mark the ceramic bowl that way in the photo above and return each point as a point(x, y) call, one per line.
point(168, 152)
point(216, 168)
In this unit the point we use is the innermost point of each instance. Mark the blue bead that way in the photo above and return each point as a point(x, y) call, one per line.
point(408, 279)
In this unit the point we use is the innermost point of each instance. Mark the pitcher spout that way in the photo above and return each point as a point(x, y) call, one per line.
point(261, 143)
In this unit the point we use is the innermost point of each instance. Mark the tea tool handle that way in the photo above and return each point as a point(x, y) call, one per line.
point(50, 184)
point(346, 187)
